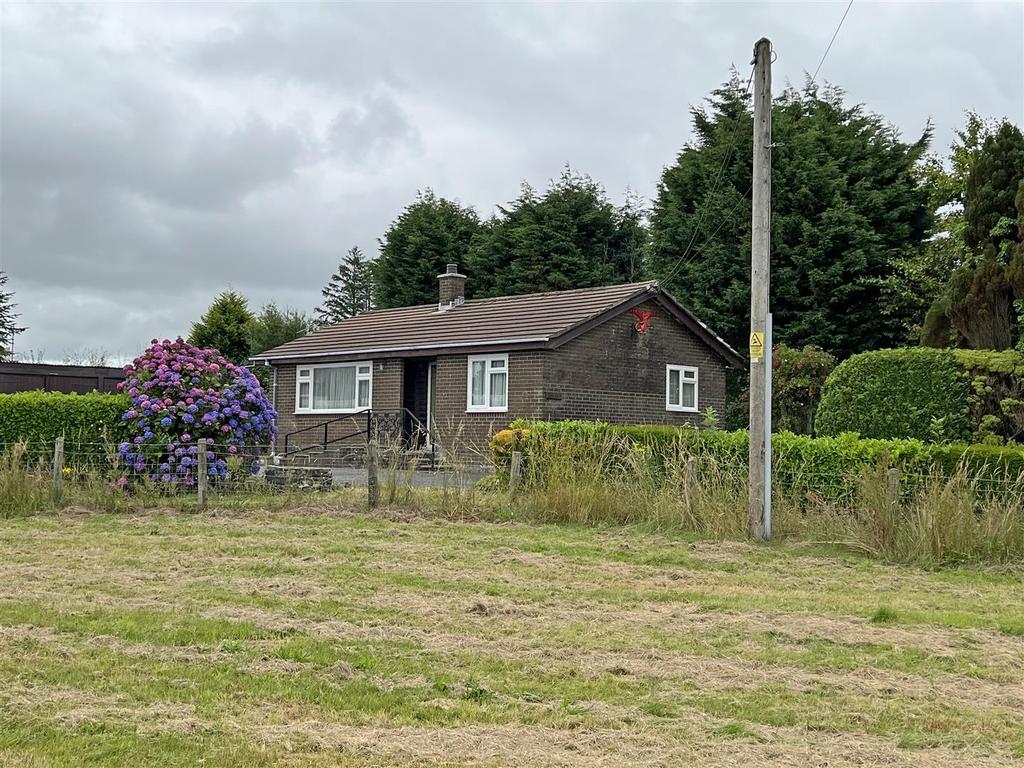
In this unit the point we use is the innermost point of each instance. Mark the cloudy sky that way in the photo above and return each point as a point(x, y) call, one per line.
point(154, 155)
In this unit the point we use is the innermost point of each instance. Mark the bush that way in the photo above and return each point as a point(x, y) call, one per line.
point(996, 400)
point(798, 377)
point(181, 394)
point(918, 394)
point(37, 418)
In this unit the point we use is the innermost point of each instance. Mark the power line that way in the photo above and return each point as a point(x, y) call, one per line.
point(834, 35)
point(703, 209)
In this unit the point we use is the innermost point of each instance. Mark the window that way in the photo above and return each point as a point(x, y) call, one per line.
point(487, 386)
point(333, 388)
point(680, 388)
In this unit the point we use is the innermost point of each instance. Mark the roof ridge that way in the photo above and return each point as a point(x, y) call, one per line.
point(562, 292)
point(480, 300)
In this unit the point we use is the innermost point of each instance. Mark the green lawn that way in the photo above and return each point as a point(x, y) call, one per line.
point(308, 639)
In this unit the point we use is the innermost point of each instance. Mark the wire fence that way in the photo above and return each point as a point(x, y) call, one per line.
point(166, 469)
point(221, 470)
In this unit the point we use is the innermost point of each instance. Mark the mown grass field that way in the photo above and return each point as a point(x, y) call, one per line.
point(306, 638)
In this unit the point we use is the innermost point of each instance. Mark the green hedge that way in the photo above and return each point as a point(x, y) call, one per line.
point(39, 417)
point(828, 466)
point(919, 394)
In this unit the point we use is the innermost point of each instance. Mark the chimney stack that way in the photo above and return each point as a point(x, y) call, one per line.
point(451, 288)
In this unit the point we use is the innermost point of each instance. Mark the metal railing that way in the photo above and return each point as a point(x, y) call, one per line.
point(401, 427)
point(325, 426)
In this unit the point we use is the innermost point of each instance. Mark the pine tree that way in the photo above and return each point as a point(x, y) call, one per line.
point(226, 327)
point(350, 290)
point(8, 317)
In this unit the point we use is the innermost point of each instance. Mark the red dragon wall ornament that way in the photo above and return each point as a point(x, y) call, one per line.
point(643, 319)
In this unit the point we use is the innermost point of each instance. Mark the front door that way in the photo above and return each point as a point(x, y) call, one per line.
point(431, 400)
point(415, 400)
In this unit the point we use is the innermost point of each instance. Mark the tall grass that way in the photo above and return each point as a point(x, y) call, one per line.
point(940, 520)
point(943, 520)
point(25, 485)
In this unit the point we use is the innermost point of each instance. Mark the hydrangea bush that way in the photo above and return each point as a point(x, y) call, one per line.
point(180, 394)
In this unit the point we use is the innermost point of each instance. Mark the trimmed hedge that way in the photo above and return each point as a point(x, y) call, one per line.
point(919, 394)
point(40, 417)
point(827, 466)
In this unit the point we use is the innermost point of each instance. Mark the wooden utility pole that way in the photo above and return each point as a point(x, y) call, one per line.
point(760, 358)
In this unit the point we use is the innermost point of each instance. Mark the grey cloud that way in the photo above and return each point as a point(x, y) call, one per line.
point(372, 130)
point(153, 155)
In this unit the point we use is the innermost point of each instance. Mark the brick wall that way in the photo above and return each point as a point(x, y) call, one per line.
point(469, 433)
point(386, 396)
point(614, 374)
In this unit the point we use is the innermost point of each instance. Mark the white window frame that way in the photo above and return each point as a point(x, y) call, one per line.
point(695, 379)
point(488, 360)
point(299, 380)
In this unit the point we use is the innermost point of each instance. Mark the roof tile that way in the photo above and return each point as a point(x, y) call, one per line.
point(529, 318)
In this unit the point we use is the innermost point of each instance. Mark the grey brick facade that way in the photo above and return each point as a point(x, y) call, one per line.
point(610, 373)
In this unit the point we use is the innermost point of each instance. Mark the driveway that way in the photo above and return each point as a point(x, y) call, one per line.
point(420, 478)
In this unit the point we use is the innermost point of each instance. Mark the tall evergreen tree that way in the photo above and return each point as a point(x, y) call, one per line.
point(924, 275)
point(350, 290)
point(980, 302)
point(427, 235)
point(8, 320)
point(225, 326)
point(847, 206)
point(572, 236)
point(273, 327)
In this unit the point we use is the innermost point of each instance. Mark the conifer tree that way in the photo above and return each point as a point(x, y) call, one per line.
point(350, 290)
point(427, 235)
point(848, 206)
point(225, 326)
point(8, 320)
point(273, 327)
point(572, 236)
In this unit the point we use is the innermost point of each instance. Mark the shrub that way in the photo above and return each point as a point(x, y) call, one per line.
point(181, 394)
point(37, 418)
point(996, 400)
point(798, 377)
point(916, 393)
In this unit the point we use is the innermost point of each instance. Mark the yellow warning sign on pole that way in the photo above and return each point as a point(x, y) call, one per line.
point(757, 345)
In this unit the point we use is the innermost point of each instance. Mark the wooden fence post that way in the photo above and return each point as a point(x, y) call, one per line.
point(58, 469)
point(203, 479)
point(689, 483)
point(372, 486)
point(515, 474)
point(892, 486)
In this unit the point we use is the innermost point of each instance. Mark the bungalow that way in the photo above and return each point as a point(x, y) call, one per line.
point(622, 353)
